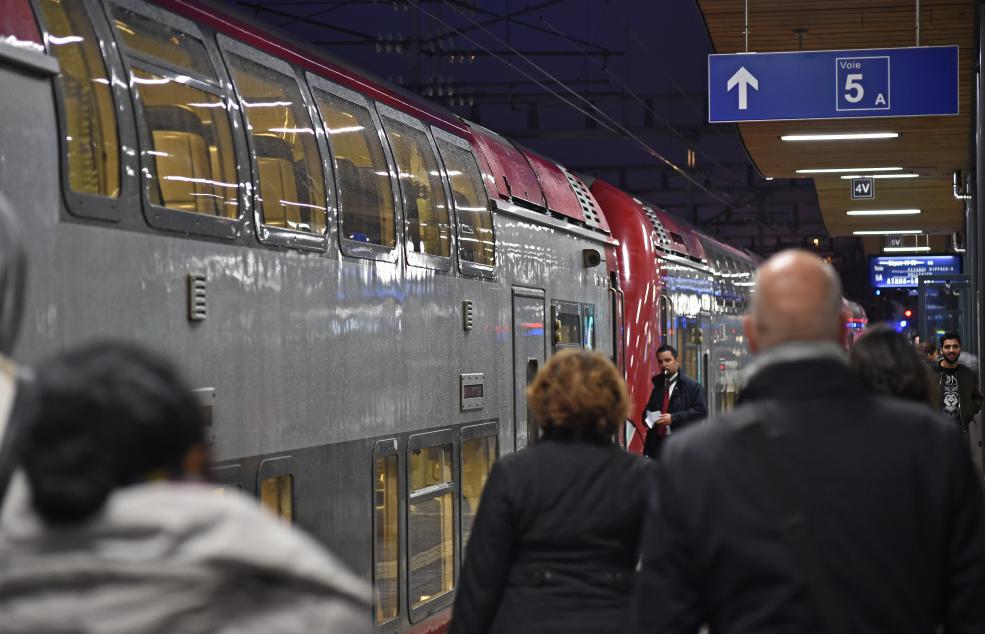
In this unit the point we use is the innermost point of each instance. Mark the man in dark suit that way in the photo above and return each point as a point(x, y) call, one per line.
point(815, 505)
point(675, 402)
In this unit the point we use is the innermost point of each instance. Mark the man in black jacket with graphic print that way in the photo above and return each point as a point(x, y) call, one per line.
point(675, 402)
point(957, 386)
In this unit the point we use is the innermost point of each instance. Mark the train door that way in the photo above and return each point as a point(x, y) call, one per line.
point(528, 357)
point(944, 306)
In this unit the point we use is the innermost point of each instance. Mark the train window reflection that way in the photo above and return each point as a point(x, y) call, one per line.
point(385, 542)
point(478, 456)
point(365, 193)
point(291, 181)
point(90, 119)
point(431, 533)
point(425, 208)
point(189, 163)
point(475, 225)
point(277, 495)
point(152, 39)
point(567, 326)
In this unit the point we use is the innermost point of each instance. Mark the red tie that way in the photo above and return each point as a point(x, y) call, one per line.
point(662, 429)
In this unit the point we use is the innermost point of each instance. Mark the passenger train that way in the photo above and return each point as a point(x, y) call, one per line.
point(358, 284)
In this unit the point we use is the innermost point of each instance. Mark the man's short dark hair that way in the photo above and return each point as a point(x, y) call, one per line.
point(667, 348)
point(950, 335)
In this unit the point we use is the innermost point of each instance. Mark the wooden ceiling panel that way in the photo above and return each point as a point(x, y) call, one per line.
point(931, 146)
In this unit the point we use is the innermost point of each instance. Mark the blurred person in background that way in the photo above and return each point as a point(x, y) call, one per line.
point(112, 528)
point(889, 364)
point(927, 351)
point(555, 540)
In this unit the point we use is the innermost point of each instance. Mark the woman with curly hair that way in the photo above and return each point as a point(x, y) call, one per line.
point(555, 540)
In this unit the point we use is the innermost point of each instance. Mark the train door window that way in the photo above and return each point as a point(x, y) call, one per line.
point(188, 158)
point(386, 531)
point(367, 223)
point(476, 238)
point(275, 486)
point(277, 495)
point(431, 522)
point(588, 326)
point(427, 224)
point(567, 325)
point(90, 143)
point(290, 195)
point(480, 446)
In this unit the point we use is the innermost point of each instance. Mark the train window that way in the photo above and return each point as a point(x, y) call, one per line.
point(157, 42)
point(480, 446)
point(291, 187)
point(188, 153)
point(588, 326)
point(386, 532)
point(431, 523)
point(188, 156)
point(277, 495)
point(426, 216)
point(567, 325)
point(476, 240)
point(91, 144)
point(361, 170)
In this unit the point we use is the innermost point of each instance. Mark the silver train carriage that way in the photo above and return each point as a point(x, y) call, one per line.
point(359, 285)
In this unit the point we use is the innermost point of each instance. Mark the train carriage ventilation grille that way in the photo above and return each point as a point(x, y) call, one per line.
point(661, 238)
point(593, 215)
point(197, 308)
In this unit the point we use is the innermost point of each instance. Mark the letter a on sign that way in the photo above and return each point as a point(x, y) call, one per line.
point(863, 188)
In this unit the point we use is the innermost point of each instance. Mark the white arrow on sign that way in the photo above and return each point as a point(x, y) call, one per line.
point(744, 79)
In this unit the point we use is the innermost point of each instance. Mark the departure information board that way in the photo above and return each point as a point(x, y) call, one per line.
point(902, 271)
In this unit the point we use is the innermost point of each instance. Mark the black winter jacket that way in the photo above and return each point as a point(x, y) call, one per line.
point(554, 545)
point(687, 406)
point(893, 502)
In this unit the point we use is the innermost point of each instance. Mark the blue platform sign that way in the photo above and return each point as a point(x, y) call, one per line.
point(902, 271)
point(890, 82)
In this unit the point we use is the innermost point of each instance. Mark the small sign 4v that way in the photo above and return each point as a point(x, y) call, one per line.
point(863, 188)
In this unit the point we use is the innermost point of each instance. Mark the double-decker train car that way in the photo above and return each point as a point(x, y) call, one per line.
point(359, 285)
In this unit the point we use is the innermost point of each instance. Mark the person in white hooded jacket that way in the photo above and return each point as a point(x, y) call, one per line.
point(110, 527)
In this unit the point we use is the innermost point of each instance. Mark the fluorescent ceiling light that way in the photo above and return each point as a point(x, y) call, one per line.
point(851, 176)
point(882, 212)
point(855, 136)
point(885, 232)
point(851, 170)
point(898, 249)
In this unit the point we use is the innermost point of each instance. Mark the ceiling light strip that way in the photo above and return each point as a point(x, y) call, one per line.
point(886, 232)
point(851, 176)
point(902, 249)
point(851, 170)
point(882, 212)
point(852, 136)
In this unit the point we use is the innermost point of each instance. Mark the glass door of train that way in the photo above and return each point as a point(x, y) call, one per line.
point(685, 318)
point(944, 306)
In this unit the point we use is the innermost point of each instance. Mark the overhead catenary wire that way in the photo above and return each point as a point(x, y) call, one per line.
point(601, 117)
point(636, 97)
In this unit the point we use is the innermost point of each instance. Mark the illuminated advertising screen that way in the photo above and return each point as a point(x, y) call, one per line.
point(902, 271)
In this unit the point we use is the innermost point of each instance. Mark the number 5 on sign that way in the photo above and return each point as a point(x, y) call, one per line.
point(853, 84)
point(863, 83)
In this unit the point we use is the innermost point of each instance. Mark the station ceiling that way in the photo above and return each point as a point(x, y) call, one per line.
point(932, 147)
